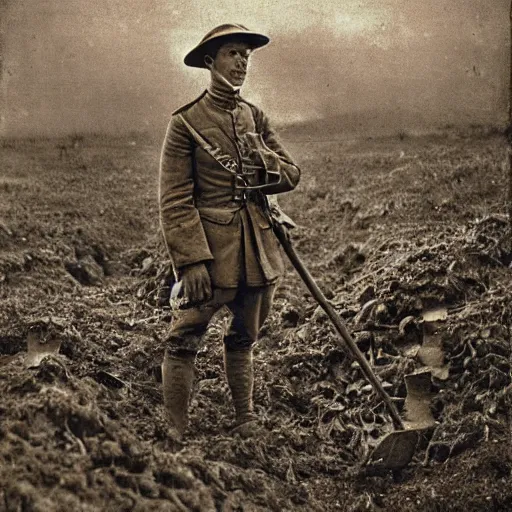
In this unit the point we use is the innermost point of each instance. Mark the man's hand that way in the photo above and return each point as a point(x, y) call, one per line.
point(264, 158)
point(257, 153)
point(261, 165)
point(197, 286)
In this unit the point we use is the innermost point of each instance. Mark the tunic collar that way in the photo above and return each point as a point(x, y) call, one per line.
point(222, 95)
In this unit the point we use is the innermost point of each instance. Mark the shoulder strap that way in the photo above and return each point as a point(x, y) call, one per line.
point(200, 140)
point(188, 105)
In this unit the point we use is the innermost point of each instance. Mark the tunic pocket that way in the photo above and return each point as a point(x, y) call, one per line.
point(222, 229)
point(217, 215)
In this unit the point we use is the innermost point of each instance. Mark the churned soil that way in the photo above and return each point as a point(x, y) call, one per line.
point(393, 229)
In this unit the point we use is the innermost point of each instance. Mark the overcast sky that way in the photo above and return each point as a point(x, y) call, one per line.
point(116, 65)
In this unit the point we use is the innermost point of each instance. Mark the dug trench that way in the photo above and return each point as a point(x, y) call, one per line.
point(408, 239)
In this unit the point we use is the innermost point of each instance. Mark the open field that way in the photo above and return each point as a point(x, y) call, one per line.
point(389, 227)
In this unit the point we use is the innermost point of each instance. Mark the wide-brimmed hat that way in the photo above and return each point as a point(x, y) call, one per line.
point(220, 35)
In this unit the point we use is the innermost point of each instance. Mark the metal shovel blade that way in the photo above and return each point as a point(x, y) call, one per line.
point(395, 450)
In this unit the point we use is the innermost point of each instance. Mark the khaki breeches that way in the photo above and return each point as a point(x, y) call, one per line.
point(250, 307)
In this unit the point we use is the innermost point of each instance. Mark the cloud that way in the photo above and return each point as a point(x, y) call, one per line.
point(71, 65)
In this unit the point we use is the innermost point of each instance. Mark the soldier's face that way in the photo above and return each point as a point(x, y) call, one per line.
point(232, 61)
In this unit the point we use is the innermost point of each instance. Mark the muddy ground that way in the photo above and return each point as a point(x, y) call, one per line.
point(393, 229)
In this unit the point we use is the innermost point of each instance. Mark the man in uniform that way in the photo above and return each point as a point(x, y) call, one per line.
point(220, 161)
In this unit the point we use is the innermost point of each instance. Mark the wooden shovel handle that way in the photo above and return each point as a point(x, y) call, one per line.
point(284, 239)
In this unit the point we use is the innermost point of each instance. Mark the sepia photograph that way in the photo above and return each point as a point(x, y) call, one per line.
point(255, 256)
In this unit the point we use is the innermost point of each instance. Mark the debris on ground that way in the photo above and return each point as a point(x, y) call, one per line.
point(410, 243)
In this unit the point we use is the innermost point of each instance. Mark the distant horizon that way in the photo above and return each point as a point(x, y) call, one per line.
point(293, 130)
point(67, 66)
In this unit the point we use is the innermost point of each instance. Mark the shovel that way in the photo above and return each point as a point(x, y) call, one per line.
point(396, 448)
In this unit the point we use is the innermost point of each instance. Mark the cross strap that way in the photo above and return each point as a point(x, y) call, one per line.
point(227, 162)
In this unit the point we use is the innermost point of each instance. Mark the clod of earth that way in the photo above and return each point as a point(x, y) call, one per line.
point(86, 270)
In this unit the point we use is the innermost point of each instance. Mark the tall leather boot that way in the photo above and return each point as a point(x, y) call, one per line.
point(177, 380)
point(240, 377)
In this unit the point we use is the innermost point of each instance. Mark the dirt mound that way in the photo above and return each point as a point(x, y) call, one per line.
point(409, 242)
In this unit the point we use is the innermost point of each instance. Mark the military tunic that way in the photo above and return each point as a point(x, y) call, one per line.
point(200, 219)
